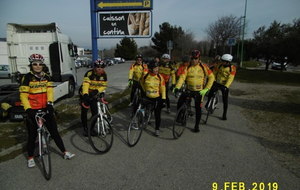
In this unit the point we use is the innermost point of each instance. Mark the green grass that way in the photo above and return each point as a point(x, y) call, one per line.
point(261, 76)
point(251, 64)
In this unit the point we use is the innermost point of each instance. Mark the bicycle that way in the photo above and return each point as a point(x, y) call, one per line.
point(135, 100)
point(100, 132)
point(182, 114)
point(139, 121)
point(43, 143)
point(212, 105)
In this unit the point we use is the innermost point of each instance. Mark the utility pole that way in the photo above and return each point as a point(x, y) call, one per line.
point(243, 35)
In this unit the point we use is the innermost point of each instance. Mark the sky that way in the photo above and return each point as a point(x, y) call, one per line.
point(73, 16)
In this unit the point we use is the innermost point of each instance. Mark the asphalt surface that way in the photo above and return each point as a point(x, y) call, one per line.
point(224, 152)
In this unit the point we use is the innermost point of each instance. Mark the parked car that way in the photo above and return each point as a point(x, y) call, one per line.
point(109, 61)
point(119, 60)
point(277, 66)
point(4, 71)
point(77, 64)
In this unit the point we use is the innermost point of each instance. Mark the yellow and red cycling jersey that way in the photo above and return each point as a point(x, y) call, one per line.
point(224, 74)
point(197, 77)
point(154, 86)
point(180, 70)
point(137, 71)
point(36, 91)
point(167, 71)
point(93, 81)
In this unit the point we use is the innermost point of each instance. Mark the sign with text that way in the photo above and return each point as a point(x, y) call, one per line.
point(125, 24)
point(117, 5)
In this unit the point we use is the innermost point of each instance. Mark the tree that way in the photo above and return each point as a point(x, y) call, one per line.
point(221, 30)
point(126, 49)
point(269, 42)
point(183, 41)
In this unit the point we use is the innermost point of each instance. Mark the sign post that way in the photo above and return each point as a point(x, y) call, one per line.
point(170, 46)
point(231, 42)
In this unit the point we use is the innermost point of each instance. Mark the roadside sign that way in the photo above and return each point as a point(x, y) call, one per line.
point(125, 24)
point(170, 45)
point(117, 5)
point(231, 42)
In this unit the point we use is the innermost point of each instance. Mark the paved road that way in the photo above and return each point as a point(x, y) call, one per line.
point(224, 151)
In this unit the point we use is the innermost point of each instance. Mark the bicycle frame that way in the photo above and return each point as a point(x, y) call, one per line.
point(39, 118)
point(101, 113)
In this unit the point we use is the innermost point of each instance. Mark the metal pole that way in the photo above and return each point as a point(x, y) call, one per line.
point(94, 30)
point(243, 34)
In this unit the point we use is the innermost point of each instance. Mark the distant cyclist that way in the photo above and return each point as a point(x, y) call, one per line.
point(153, 86)
point(136, 72)
point(216, 61)
point(185, 63)
point(224, 74)
point(167, 71)
point(94, 82)
point(36, 93)
point(199, 79)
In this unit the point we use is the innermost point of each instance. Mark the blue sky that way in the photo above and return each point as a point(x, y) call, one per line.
point(73, 16)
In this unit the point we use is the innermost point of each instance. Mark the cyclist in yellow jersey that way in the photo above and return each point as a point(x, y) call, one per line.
point(154, 89)
point(199, 79)
point(94, 82)
point(36, 93)
point(224, 75)
point(166, 70)
point(136, 72)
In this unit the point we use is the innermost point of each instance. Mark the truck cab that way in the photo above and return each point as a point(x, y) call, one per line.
point(45, 39)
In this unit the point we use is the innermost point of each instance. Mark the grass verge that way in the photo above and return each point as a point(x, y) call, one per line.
point(274, 77)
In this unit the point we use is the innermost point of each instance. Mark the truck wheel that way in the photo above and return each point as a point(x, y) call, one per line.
point(71, 88)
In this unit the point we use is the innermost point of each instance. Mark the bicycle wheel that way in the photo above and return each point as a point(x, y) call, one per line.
point(179, 123)
point(100, 134)
point(135, 129)
point(45, 156)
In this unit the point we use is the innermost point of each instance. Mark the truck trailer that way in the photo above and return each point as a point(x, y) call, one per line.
point(57, 49)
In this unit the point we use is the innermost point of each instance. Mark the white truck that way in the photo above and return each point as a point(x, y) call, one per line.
point(57, 49)
point(45, 39)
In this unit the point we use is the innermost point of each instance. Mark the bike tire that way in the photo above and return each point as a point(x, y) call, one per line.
point(45, 157)
point(100, 140)
point(179, 123)
point(135, 129)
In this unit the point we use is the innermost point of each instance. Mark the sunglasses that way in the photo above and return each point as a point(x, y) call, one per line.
point(37, 64)
point(99, 66)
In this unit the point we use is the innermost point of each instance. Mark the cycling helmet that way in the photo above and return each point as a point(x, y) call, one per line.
point(227, 57)
point(138, 56)
point(195, 54)
point(36, 57)
point(99, 63)
point(152, 64)
point(165, 56)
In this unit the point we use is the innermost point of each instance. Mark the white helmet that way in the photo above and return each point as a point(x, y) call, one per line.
point(165, 56)
point(227, 57)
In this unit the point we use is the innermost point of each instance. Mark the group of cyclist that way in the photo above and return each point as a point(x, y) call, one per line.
point(196, 77)
point(153, 78)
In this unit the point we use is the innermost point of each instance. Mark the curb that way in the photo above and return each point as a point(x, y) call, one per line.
point(61, 127)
